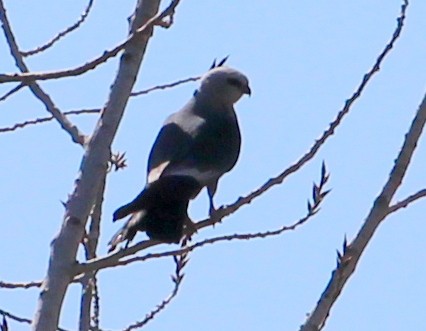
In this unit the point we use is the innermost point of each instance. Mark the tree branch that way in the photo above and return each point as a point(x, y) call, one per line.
point(348, 261)
point(12, 91)
point(177, 279)
point(88, 282)
point(21, 319)
point(144, 30)
point(19, 285)
point(165, 86)
point(92, 171)
point(227, 210)
point(84, 111)
point(61, 34)
point(114, 259)
point(47, 119)
point(72, 130)
point(404, 203)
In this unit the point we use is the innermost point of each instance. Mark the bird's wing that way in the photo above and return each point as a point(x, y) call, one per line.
point(173, 144)
point(203, 147)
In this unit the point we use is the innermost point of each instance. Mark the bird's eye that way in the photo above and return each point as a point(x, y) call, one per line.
point(234, 82)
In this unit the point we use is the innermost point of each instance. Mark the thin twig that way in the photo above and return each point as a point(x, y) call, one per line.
point(89, 111)
point(47, 119)
point(114, 259)
point(96, 304)
point(177, 279)
point(88, 282)
point(61, 34)
point(19, 285)
point(12, 91)
point(404, 203)
point(145, 29)
point(21, 319)
point(227, 210)
point(165, 86)
point(85, 111)
point(70, 128)
point(348, 260)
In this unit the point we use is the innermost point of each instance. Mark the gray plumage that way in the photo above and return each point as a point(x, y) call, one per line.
point(193, 149)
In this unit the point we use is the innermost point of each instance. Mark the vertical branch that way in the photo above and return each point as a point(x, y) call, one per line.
point(348, 261)
point(90, 245)
point(35, 88)
point(92, 171)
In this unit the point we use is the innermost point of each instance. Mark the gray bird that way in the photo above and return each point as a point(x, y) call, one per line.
point(193, 149)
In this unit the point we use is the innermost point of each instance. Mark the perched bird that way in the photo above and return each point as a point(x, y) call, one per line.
point(193, 149)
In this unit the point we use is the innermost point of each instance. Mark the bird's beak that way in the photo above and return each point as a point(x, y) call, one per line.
point(247, 90)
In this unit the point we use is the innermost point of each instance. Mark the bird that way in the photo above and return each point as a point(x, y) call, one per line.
point(195, 147)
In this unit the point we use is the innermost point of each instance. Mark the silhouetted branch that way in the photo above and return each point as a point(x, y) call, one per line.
point(96, 304)
point(11, 92)
point(145, 29)
point(47, 119)
point(227, 210)
point(92, 170)
point(61, 34)
point(21, 319)
point(177, 278)
point(19, 285)
point(348, 260)
point(88, 282)
point(84, 111)
point(114, 259)
point(404, 203)
point(165, 86)
point(72, 130)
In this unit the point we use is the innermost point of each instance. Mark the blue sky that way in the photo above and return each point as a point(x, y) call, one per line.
point(303, 59)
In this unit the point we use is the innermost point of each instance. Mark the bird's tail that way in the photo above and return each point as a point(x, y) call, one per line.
point(160, 210)
point(128, 231)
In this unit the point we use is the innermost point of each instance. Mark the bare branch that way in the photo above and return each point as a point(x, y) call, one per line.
point(14, 317)
point(144, 30)
point(72, 130)
point(177, 278)
point(92, 171)
point(165, 86)
point(19, 285)
point(61, 34)
point(21, 319)
point(404, 203)
point(348, 261)
point(114, 259)
point(88, 282)
point(96, 304)
point(47, 119)
point(84, 111)
point(11, 92)
point(227, 210)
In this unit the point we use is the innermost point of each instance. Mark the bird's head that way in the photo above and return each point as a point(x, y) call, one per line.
point(224, 85)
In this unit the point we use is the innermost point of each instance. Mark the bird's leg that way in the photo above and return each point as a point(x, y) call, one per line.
point(211, 190)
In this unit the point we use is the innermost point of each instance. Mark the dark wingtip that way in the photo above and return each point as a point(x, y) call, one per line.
point(213, 65)
point(221, 63)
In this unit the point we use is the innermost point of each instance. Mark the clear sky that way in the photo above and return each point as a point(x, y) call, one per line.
point(303, 59)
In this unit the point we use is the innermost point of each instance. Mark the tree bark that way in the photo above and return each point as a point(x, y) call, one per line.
point(92, 169)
